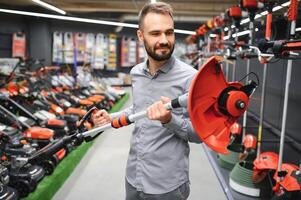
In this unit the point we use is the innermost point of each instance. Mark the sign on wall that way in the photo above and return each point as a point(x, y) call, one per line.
point(19, 45)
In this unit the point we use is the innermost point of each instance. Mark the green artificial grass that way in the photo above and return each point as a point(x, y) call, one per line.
point(120, 103)
point(47, 188)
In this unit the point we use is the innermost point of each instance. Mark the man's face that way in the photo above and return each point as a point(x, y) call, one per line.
point(157, 34)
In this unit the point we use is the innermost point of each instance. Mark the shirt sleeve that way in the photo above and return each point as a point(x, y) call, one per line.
point(126, 111)
point(182, 127)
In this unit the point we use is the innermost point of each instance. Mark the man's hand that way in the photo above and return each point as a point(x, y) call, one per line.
point(157, 111)
point(101, 117)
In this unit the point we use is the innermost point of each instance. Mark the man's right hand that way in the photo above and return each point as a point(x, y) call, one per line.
point(101, 117)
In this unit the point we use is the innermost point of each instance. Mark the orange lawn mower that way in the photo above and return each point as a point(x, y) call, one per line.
point(36, 136)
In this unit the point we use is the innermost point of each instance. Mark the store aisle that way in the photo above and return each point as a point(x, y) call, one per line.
point(100, 174)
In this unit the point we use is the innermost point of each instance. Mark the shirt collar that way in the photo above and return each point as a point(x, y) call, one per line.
point(164, 68)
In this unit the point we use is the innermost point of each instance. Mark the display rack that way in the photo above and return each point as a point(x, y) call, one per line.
point(47, 188)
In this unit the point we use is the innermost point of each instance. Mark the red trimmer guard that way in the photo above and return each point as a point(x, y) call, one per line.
point(212, 126)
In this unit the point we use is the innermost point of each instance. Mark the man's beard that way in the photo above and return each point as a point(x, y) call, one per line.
point(152, 52)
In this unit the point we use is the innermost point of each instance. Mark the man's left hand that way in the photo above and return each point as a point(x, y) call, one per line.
point(157, 111)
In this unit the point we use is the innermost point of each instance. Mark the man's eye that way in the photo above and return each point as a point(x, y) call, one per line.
point(169, 33)
point(155, 34)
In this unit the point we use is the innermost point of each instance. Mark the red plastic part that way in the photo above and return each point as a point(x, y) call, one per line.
point(13, 88)
point(250, 141)
point(56, 122)
point(85, 102)
point(268, 28)
point(76, 111)
point(57, 109)
point(211, 125)
point(293, 10)
point(249, 3)
point(235, 129)
point(120, 122)
point(266, 160)
point(115, 123)
point(61, 154)
point(235, 12)
point(235, 96)
point(36, 132)
point(289, 183)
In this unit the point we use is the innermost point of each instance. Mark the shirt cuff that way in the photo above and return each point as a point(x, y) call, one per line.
point(174, 123)
point(115, 115)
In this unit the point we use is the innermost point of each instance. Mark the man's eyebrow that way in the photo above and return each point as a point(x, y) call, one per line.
point(156, 31)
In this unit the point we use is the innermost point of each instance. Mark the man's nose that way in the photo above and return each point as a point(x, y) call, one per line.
point(163, 39)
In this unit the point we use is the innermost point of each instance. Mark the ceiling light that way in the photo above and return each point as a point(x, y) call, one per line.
point(226, 37)
point(277, 8)
point(257, 16)
point(84, 20)
point(264, 13)
point(50, 7)
point(286, 4)
point(298, 29)
point(241, 33)
point(184, 32)
point(246, 20)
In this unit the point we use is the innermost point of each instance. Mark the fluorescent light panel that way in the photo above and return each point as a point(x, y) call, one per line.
point(50, 7)
point(84, 20)
point(226, 37)
point(184, 32)
point(286, 4)
point(241, 33)
point(277, 8)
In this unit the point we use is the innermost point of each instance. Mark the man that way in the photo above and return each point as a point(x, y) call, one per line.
point(158, 162)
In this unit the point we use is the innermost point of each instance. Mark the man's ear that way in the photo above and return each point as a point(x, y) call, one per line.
point(140, 35)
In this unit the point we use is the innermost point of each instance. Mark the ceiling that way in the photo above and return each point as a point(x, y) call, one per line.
point(188, 14)
point(195, 11)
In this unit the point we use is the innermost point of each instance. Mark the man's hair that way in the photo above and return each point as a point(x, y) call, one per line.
point(158, 7)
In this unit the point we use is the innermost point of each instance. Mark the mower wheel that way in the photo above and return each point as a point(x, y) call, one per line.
point(55, 160)
point(23, 187)
point(48, 166)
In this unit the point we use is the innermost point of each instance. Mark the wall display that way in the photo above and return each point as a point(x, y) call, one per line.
point(90, 43)
point(128, 52)
point(106, 50)
point(19, 45)
point(124, 52)
point(112, 58)
point(141, 53)
point(132, 51)
point(57, 48)
point(68, 48)
point(99, 52)
point(80, 46)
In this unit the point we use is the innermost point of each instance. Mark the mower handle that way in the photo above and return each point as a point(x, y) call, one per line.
point(50, 149)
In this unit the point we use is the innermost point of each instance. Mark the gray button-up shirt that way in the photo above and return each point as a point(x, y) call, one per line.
point(158, 159)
